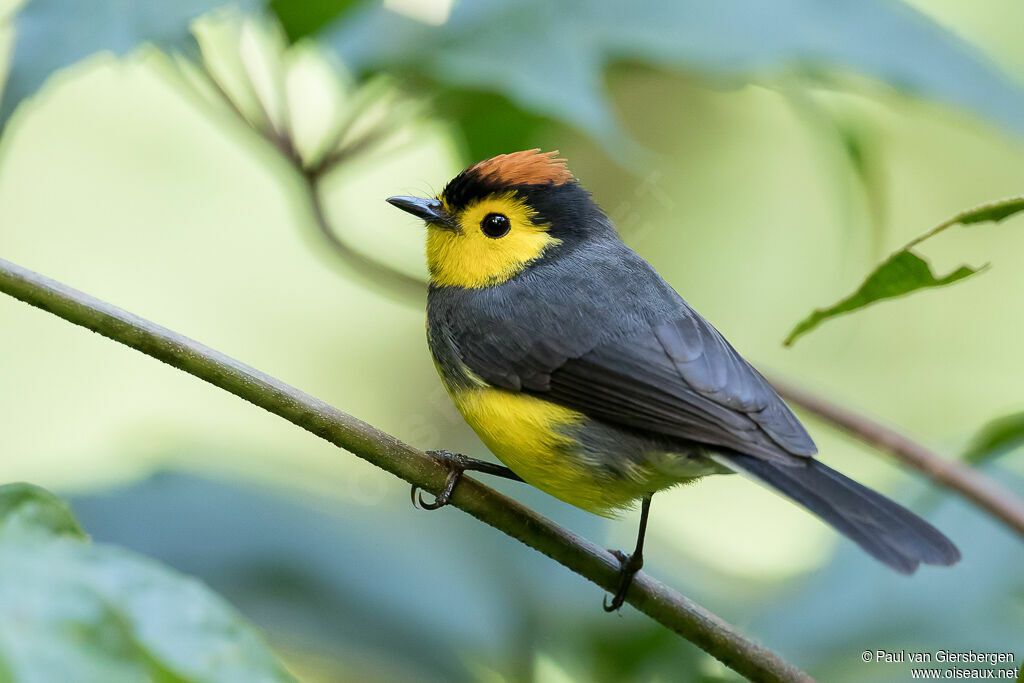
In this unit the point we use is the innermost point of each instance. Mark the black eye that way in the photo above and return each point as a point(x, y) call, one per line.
point(495, 225)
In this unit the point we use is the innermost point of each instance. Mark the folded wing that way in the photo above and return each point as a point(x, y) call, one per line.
point(677, 377)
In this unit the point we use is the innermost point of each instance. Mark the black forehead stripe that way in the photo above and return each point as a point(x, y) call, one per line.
point(566, 207)
point(468, 187)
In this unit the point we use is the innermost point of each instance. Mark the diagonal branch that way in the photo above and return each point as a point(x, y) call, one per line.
point(981, 490)
point(682, 615)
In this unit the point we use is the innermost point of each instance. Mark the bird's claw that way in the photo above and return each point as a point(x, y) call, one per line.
point(456, 466)
point(630, 566)
point(622, 557)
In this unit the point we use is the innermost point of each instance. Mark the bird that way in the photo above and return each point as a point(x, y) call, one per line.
point(589, 377)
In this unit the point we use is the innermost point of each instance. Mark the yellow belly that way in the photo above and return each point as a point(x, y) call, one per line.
point(528, 434)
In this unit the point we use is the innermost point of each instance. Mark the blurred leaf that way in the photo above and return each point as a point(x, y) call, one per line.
point(905, 272)
point(357, 579)
point(625, 654)
point(52, 34)
point(864, 151)
point(917, 616)
point(73, 611)
point(28, 507)
point(301, 18)
point(490, 124)
point(549, 57)
point(998, 437)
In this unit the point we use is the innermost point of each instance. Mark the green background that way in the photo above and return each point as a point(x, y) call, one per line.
point(118, 181)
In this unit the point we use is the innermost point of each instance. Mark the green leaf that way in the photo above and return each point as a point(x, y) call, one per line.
point(53, 34)
point(906, 272)
point(30, 508)
point(549, 57)
point(301, 18)
point(74, 611)
point(998, 437)
point(992, 211)
point(903, 273)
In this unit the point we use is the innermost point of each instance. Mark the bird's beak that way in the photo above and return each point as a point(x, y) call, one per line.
point(430, 210)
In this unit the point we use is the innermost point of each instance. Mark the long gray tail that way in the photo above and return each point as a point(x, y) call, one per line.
point(886, 530)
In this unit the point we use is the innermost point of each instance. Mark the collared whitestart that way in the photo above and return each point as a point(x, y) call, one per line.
point(586, 374)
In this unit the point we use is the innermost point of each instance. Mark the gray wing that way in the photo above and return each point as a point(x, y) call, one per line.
point(681, 378)
point(678, 378)
point(630, 352)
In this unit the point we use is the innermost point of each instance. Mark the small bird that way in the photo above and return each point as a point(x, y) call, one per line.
point(586, 374)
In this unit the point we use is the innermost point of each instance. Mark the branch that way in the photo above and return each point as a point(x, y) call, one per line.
point(693, 622)
point(981, 490)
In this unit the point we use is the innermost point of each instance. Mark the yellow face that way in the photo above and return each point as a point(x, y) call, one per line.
point(497, 237)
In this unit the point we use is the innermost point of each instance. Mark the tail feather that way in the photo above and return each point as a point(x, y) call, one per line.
point(886, 530)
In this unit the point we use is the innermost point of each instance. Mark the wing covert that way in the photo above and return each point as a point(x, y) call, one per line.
point(680, 379)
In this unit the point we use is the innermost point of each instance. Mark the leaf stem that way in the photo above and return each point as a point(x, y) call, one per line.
point(395, 284)
point(391, 282)
point(931, 233)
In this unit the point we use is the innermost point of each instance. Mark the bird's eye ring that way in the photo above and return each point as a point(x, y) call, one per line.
point(495, 225)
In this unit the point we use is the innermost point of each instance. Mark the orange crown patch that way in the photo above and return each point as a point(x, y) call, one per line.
point(529, 167)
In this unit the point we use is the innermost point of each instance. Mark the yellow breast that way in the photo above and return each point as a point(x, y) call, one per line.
point(532, 437)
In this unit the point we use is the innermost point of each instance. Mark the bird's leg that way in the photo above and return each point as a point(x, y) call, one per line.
point(457, 464)
point(631, 564)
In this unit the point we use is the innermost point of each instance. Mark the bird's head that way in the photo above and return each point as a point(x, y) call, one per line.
point(500, 216)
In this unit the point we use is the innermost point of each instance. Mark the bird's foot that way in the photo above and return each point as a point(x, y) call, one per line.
point(630, 565)
point(456, 464)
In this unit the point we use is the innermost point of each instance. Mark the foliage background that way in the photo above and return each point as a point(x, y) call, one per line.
point(758, 197)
